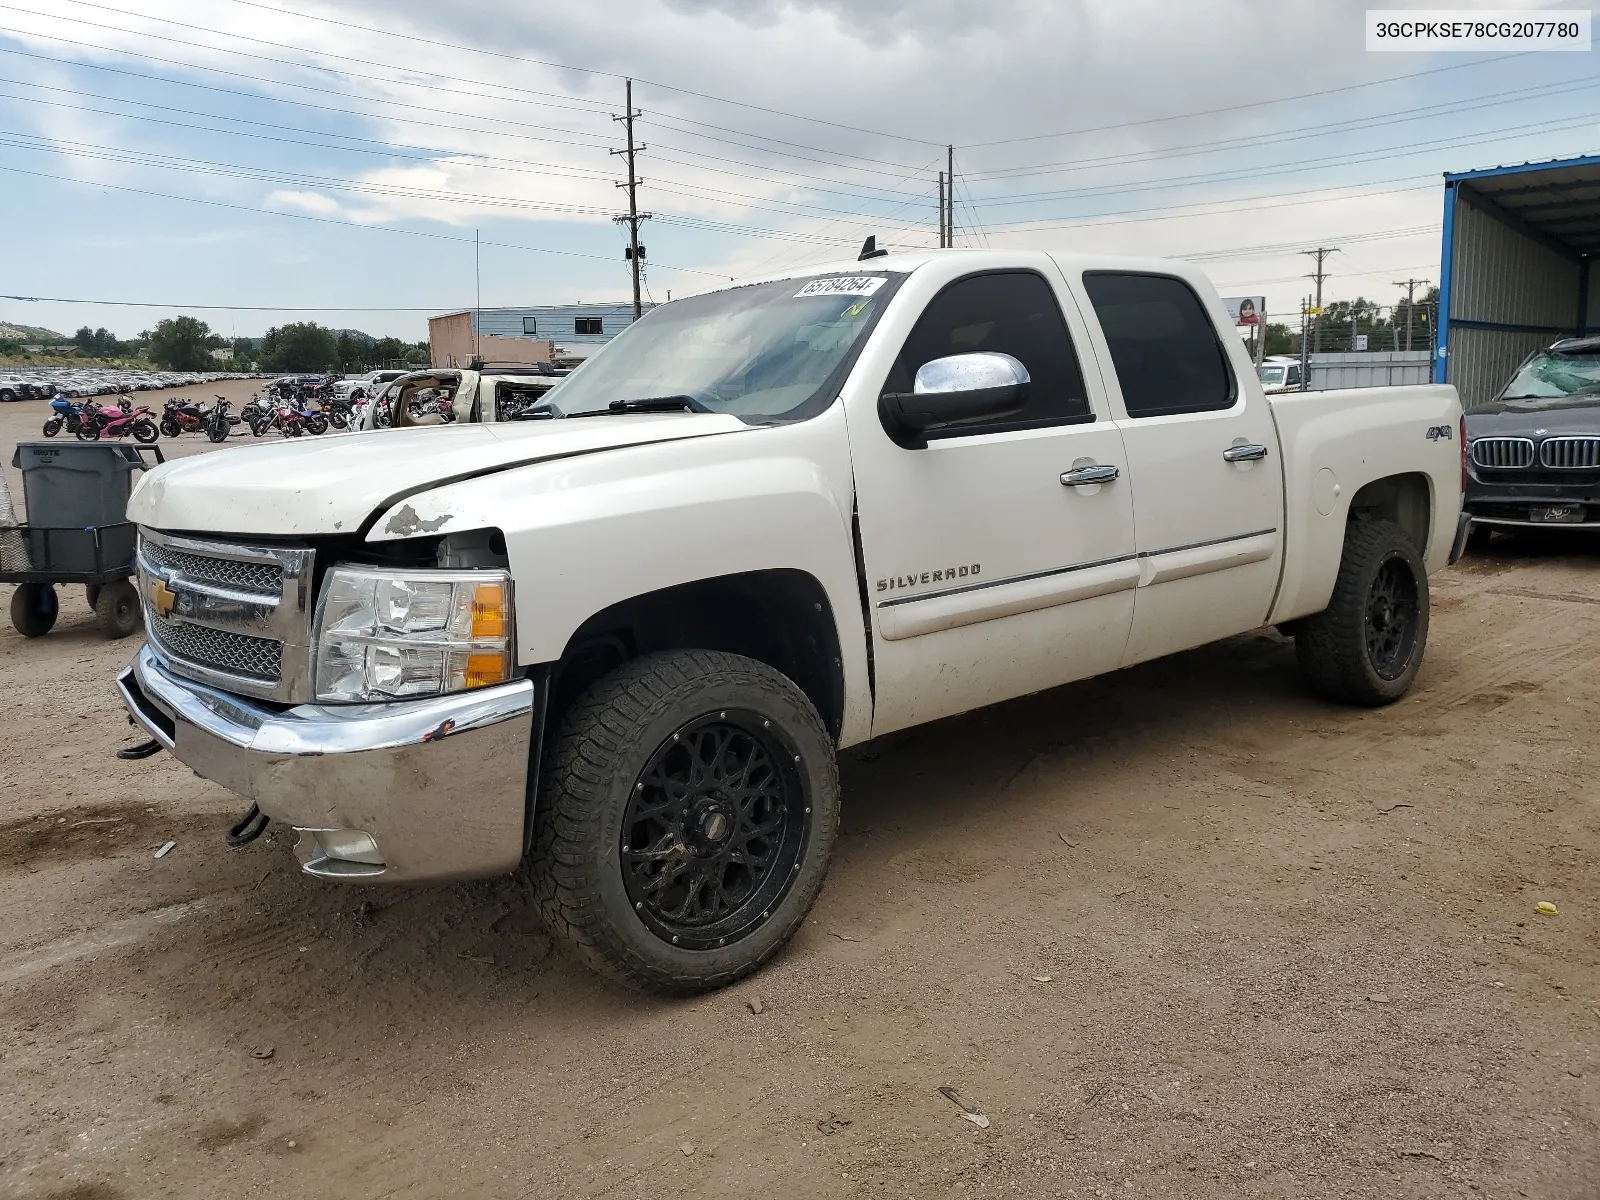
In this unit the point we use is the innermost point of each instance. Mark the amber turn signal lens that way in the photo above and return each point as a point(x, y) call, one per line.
point(489, 611)
point(484, 669)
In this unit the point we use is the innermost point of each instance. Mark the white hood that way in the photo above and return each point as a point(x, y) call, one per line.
point(332, 484)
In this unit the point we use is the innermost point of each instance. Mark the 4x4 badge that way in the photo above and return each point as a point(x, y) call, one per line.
point(1437, 432)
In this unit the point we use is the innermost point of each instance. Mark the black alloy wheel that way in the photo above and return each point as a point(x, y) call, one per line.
point(1392, 612)
point(1367, 645)
point(715, 830)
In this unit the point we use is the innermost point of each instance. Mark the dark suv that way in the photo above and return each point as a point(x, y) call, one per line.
point(1533, 454)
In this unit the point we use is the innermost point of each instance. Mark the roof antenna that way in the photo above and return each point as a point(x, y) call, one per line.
point(869, 249)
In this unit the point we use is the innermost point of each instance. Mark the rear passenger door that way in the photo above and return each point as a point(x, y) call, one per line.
point(1202, 456)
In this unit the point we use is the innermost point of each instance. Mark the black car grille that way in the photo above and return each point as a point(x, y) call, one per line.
point(1570, 453)
point(217, 649)
point(1501, 453)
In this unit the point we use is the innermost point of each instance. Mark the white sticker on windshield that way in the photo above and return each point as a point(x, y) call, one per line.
point(858, 285)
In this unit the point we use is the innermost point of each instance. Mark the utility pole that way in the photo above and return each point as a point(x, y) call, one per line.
point(1320, 254)
point(1305, 354)
point(477, 316)
point(634, 252)
point(941, 210)
point(950, 196)
point(1410, 286)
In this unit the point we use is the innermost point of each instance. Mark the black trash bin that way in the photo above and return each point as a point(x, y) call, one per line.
point(77, 485)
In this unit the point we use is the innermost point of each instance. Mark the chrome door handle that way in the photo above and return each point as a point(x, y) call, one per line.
point(1081, 475)
point(1244, 453)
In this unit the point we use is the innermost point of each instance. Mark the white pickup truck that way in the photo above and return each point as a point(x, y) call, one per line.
point(620, 642)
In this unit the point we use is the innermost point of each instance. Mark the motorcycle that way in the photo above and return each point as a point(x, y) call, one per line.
point(217, 423)
point(105, 421)
point(181, 416)
point(68, 416)
point(290, 421)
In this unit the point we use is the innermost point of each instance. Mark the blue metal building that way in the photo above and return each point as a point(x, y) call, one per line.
point(1517, 271)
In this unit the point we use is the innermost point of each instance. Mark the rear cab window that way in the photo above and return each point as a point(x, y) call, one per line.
point(1164, 347)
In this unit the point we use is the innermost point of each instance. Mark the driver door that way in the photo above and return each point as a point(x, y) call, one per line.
point(988, 575)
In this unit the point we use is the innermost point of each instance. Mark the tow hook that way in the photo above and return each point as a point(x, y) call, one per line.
point(142, 750)
point(248, 828)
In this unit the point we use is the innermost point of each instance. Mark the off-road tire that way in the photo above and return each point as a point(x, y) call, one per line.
point(1332, 646)
point(34, 608)
point(91, 593)
point(606, 739)
point(117, 609)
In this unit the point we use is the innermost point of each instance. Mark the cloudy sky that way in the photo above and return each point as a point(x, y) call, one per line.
point(267, 156)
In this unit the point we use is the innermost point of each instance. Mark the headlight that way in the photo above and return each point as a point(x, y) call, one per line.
point(388, 635)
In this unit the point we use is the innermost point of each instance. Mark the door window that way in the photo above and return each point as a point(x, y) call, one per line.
point(1164, 347)
point(1012, 312)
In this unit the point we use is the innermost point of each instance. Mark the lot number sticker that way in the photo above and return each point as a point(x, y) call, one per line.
point(859, 285)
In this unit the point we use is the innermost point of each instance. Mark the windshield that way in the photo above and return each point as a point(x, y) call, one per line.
point(1547, 379)
point(764, 352)
point(1271, 375)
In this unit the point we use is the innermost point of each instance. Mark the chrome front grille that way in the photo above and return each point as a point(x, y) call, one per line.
point(1570, 453)
point(231, 614)
point(266, 578)
point(1500, 453)
point(234, 653)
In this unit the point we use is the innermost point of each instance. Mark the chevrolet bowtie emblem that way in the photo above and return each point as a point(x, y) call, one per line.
point(162, 598)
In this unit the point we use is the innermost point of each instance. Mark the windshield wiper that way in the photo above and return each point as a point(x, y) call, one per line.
point(647, 404)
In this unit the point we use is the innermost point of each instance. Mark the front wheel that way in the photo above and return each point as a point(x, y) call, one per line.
point(257, 428)
point(1366, 646)
point(52, 427)
point(34, 607)
point(116, 607)
point(170, 427)
point(146, 432)
point(89, 431)
point(316, 423)
point(217, 431)
point(685, 820)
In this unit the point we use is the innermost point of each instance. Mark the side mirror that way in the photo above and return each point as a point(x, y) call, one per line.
point(956, 390)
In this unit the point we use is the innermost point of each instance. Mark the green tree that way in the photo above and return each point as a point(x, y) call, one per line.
point(182, 344)
point(1282, 339)
point(302, 346)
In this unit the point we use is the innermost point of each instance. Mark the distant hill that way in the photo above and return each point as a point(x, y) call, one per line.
point(30, 333)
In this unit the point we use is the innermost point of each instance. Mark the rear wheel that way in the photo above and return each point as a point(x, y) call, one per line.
point(34, 608)
point(685, 820)
point(117, 609)
point(1366, 646)
point(89, 431)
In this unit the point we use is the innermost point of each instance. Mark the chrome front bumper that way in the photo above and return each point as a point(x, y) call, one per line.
point(438, 786)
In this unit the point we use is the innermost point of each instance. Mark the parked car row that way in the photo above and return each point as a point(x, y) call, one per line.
point(43, 383)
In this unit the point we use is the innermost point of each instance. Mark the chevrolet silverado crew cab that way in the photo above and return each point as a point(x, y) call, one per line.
point(620, 641)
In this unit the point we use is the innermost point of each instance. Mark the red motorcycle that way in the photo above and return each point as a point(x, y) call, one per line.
point(104, 420)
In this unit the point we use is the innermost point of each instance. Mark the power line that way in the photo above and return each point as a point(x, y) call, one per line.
point(271, 212)
point(1233, 108)
point(1300, 133)
point(220, 307)
point(517, 58)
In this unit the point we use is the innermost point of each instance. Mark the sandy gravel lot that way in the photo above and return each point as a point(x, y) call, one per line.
point(1180, 931)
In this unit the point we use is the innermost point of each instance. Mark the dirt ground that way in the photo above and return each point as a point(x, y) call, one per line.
point(1180, 931)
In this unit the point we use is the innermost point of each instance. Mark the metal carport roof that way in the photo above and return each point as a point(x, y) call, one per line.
point(1557, 201)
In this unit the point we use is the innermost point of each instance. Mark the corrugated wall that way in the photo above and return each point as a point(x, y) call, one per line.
point(1501, 276)
point(1592, 313)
